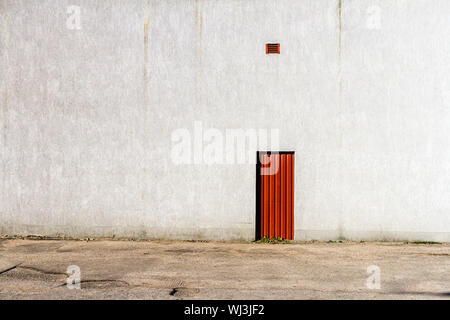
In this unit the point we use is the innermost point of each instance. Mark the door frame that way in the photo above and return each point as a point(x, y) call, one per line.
point(258, 208)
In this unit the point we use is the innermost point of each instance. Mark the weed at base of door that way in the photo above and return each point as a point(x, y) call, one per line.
point(267, 239)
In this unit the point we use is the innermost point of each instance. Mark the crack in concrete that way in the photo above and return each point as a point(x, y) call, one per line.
point(184, 291)
point(9, 269)
point(174, 291)
point(42, 271)
point(98, 281)
point(432, 254)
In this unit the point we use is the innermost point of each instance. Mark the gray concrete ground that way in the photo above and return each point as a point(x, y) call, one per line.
point(31, 269)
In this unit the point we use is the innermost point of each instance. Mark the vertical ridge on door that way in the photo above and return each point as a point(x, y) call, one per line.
point(271, 200)
point(283, 195)
point(291, 216)
point(265, 197)
point(277, 196)
point(261, 201)
point(289, 194)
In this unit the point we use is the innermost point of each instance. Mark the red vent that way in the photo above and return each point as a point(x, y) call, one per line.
point(273, 48)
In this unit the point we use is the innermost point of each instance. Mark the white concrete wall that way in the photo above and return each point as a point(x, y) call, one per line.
point(360, 92)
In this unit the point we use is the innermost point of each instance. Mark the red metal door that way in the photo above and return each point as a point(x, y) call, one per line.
point(275, 194)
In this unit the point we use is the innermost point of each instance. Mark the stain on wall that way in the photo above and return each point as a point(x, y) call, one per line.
point(5, 42)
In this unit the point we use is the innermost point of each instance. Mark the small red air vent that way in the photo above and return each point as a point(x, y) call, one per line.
point(272, 48)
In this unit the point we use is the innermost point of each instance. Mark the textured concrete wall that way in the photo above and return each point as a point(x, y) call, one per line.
point(90, 102)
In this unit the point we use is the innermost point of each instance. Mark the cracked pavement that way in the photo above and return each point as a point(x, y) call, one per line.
point(36, 269)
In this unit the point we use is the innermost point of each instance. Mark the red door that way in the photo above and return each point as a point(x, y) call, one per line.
point(275, 195)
